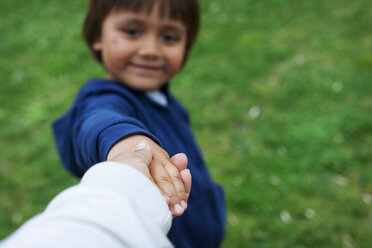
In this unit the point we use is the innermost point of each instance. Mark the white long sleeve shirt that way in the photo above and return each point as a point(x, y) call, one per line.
point(114, 205)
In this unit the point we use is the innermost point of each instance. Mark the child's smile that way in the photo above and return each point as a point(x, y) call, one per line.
point(141, 50)
point(146, 69)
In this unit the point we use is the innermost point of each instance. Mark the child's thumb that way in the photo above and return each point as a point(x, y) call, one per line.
point(143, 151)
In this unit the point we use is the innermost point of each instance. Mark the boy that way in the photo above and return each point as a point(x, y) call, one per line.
point(142, 44)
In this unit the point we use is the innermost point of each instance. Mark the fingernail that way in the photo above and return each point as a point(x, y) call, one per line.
point(178, 209)
point(141, 145)
point(183, 204)
point(187, 195)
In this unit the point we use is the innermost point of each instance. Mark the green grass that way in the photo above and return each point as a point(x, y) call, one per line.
point(280, 94)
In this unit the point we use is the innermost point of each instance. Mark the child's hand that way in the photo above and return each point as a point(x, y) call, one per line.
point(169, 174)
point(166, 174)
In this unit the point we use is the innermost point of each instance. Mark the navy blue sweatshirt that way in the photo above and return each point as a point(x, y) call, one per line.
point(104, 112)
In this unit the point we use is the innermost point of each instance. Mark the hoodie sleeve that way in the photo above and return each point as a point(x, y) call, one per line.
point(101, 116)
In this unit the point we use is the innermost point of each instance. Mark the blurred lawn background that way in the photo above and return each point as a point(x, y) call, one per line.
point(280, 95)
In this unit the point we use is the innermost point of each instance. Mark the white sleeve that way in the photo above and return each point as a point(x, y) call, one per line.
point(113, 206)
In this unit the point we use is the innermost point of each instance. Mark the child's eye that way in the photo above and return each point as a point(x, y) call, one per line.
point(170, 38)
point(132, 32)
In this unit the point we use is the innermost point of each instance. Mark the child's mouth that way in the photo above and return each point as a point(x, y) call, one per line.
point(146, 67)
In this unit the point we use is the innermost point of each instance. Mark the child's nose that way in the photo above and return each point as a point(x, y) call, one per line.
point(150, 48)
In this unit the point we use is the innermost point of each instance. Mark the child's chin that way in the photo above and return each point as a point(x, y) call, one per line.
point(144, 88)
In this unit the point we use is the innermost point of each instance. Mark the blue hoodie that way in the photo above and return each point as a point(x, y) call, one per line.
point(104, 112)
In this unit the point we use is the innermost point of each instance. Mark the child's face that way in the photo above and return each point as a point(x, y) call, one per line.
point(140, 50)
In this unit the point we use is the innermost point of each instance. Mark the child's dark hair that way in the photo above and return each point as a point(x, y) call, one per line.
point(186, 11)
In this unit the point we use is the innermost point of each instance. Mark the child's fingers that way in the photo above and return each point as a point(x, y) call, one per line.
point(180, 161)
point(187, 180)
point(177, 183)
point(165, 183)
point(143, 151)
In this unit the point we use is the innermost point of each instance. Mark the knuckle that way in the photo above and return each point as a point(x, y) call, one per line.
point(162, 179)
point(173, 198)
point(178, 178)
point(180, 187)
point(172, 169)
point(182, 192)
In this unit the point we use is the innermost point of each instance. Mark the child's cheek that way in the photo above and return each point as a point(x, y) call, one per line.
point(116, 41)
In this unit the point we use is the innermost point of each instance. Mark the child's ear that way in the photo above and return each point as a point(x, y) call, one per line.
point(97, 45)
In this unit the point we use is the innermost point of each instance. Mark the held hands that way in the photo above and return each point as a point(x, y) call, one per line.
point(169, 174)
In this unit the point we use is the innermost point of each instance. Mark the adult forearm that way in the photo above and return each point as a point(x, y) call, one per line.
point(113, 206)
